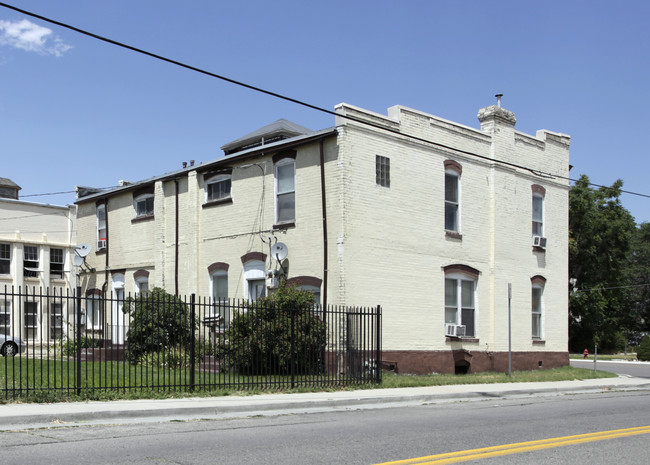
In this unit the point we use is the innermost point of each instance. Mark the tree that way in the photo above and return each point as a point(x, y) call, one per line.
point(600, 235)
point(272, 332)
point(159, 322)
point(639, 278)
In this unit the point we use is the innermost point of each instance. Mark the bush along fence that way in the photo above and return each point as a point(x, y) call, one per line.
point(61, 341)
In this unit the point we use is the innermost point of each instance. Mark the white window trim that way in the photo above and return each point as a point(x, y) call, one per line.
point(541, 312)
point(8, 260)
point(6, 308)
point(455, 173)
point(459, 305)
point(93, 323)
point(215, 180)
point(276, 167)
point(101, 243)
point(37, 326)
point(543, 200)
point(139, 281)
point(253, 270)
point(140, 198)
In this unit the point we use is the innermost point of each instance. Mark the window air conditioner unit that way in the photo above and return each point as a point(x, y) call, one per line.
point(539, 241)
point(454, 330)
point(101, 244)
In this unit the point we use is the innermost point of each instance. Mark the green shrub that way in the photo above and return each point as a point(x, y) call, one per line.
point(258, 340)
point(159, 322)
point(69, 346)
point(643, 351)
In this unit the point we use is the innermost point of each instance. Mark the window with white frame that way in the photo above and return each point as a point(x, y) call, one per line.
point(5, 259)
point(5, 317)
point(56, 263)
point(460, 301)
point(254, 280)
point(452, 196)
point(538, 210)
point(31, 319)
point(31, 261)
point(56, 320)
point(93, 312)
point(218, 187)
point(285, 190)
point(382, 171)
point(142, 284)
point(537, 307)
point(143, 205)
point(101, 227)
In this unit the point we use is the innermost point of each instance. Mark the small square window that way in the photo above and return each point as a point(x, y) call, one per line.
point(143, 206)
point(382, 168)
point(218, 188)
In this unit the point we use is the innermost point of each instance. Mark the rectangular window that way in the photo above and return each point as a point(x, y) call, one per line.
point(101, 227)
point(5, 317)
point(56, 263)
point(56, 320)
point(382, 171)
point(220, 287)
point(143, 206)
point(451, 201)
point(5, 259)
point(460, 311)
point(218, 188)
point(93, 313)
point(31, 320)
point(256, 289)
point(538, 215)
point(537, 312)
point(285, 207)
point(31, 261)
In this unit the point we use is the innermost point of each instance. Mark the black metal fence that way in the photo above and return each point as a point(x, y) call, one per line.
point(62, 341)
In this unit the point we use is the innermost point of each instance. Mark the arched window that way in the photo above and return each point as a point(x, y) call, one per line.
point(218, 185)
point(453, 171)
point(254, 275)
point(141, 279)
point(537, 306)
point(308, 283)
point(460, 297)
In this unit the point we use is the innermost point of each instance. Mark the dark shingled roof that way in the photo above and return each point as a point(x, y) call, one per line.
point(6, 182)
point(280, 129)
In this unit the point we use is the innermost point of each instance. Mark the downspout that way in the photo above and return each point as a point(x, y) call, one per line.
point(176, 241)
point(108, 248)
point(324, 212)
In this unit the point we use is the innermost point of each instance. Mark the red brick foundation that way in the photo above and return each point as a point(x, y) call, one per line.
point(453, 361)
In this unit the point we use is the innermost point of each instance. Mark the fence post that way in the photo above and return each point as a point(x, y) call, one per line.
point(292, 310)
point(78, 341)
point(378, 342)
point(192, 340)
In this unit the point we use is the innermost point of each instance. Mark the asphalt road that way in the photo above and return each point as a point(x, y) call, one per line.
point(362, 436)
point(637, 369)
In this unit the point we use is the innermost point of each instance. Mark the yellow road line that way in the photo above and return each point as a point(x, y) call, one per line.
point(519, 447)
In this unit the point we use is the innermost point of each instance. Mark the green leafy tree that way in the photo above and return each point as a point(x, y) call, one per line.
point(160, 322)
point(639, 278)
point(643, 351)
point(600, 235)
point(259, 340)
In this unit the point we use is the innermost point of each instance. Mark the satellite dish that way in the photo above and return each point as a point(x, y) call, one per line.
point(83, 249)
point(279, 251)
point(78, 260)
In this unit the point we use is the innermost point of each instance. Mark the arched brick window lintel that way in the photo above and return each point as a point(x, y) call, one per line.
point(537, 189)
point(253, 256)
point(458, 268)
point(305, 281)
point(141, 274)
point(539, 280)
point(218, 266)
point(94, 291)
point(284, 154)
point(453, 165)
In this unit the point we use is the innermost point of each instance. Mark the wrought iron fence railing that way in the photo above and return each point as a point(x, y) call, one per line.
point(59, 340)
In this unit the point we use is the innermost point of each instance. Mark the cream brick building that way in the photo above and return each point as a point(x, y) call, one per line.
point(37, 243)
point(432, 220)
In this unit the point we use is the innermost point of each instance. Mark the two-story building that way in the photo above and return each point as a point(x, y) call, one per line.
point(37, 243)
point(445, 226)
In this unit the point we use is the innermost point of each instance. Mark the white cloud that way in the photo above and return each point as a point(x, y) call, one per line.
point(31, 37)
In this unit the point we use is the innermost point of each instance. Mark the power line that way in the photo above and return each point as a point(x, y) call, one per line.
point(299, 102)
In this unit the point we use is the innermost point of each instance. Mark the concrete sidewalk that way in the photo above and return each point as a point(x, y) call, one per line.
point(20, 416)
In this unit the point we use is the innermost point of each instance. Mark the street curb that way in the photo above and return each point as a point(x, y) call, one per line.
point(227, 407)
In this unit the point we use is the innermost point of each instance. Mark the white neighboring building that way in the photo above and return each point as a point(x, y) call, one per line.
point(36, 249)
point(434, 232)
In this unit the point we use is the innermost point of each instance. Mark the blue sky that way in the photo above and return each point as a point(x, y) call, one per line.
point(77, 111)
